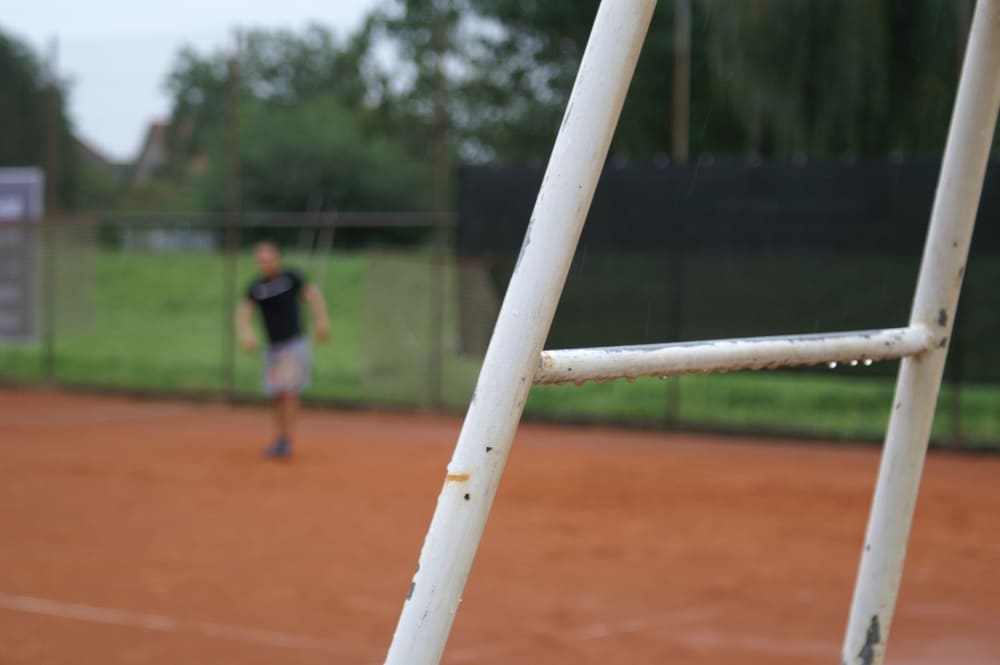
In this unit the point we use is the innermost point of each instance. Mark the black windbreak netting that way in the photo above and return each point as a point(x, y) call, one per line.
point(734, 249)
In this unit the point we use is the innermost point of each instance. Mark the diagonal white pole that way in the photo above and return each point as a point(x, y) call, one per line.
point(952, 218)
point(511, 361)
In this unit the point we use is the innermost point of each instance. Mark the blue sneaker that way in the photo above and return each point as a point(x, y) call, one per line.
point(281, 449)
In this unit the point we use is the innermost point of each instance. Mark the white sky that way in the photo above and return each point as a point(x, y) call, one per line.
point(117, 53)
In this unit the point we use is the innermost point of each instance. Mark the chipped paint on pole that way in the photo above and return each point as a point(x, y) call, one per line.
point(942, 269)
point(511, 360)
point(629, 362)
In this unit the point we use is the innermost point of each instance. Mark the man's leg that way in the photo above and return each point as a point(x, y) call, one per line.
point(279, 416)
point(288, 409)
point(288, 374)
point(285, 409)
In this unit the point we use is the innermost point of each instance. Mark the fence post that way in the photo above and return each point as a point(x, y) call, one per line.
point(229, 252)
point(231, 233)
point(48, 317)
point(675, 312)
point(681, 120)
point(956, 366)
point(680, 144)
point(436, 296)
point(435, 356)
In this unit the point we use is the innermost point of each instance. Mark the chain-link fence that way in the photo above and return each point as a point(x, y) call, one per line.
point(731, 249)
point(143, 303)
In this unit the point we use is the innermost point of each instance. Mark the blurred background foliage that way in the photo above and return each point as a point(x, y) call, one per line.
point(350, 121)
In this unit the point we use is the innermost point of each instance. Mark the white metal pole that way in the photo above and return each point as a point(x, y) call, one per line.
point(615, 362)
point(511, 360)
point(952, 218)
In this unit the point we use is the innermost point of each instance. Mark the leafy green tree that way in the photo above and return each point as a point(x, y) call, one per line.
point(338, 120)
point(515, 63)
point(97, 188)
point(769, 77)
point(158, 193)
point(25, 112)
point(313, 155)
point(313, 125)
point(499, 105)
point(830, 77)
point(280, 67)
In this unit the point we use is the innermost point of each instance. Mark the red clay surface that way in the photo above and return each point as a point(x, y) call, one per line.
point(150, 532)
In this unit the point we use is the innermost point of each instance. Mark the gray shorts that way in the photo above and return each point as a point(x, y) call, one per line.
point(287, 367)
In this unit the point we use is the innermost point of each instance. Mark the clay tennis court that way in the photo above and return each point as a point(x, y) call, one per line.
point(150, 532)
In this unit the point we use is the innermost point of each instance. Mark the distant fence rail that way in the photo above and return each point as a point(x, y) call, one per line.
point(271, 220)
point(718, 249)
point(142, 302)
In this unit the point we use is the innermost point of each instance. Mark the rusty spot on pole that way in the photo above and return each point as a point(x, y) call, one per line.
point(457, 477)
point(413, 584)
point(873, 637)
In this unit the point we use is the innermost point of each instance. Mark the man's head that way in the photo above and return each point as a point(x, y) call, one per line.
point(268, 259)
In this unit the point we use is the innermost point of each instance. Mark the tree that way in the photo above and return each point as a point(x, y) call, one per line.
point(280, 67)
point(313, 125)
point(30, 107)
point(316, 154)
point(513, 66)
point(500, 104)
point(770, 78)
point(825, 78)
point(832, 78)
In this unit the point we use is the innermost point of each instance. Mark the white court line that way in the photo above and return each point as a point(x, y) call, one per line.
point(104, 615)
point(698, 638)
point(593, 631)
point(92, 418)
point(705, 639)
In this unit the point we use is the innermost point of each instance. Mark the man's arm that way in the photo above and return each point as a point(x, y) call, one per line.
point(244, 328)
point(317, 307)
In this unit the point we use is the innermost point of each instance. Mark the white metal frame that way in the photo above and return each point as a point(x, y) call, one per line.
point(628, 362)
point(953, 216)
point(514, 359)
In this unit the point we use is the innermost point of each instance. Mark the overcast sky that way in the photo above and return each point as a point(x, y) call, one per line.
point(117, 52)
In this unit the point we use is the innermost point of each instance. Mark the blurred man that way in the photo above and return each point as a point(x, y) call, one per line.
point(276, 293)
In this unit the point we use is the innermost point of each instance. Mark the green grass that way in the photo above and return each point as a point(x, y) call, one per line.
point(157, 323)
point(835, 406)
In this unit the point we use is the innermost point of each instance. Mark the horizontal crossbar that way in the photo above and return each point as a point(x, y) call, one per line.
point(618, 362)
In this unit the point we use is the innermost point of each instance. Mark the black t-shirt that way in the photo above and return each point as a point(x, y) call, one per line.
point(278, 301)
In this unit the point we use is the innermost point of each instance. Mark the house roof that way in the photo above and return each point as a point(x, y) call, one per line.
point(153, 153)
